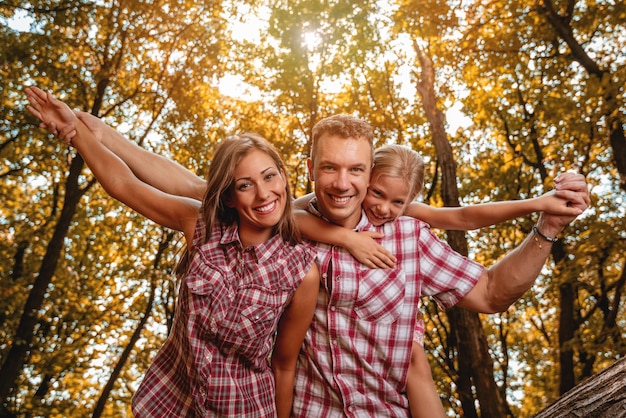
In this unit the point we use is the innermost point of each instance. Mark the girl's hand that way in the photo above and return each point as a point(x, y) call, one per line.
point(364, 248)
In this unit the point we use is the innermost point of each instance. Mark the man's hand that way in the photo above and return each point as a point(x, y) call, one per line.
point(552, 224)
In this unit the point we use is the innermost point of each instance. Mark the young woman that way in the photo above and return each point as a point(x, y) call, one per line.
point(396, 180)
point(244, 277)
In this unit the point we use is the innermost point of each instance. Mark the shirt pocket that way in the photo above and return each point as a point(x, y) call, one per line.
point(257, 312)
point(208, 298)
point(380, 295)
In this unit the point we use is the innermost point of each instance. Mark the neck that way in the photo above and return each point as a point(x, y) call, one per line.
point(251, 237)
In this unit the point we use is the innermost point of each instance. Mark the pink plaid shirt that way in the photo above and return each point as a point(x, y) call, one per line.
point(214, 363)
point(356, 354)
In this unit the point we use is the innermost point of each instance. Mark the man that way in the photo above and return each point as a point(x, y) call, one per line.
point(357, 351)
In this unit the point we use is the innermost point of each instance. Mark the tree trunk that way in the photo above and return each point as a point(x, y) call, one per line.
point(600, 396)
point(166, 239)
point(472, 345)
point(22, 340)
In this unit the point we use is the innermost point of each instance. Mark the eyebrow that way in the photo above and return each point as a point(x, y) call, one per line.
point(262, 172)
point(331, 162)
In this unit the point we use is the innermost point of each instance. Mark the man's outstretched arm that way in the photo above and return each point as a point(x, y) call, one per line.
point(507, 280)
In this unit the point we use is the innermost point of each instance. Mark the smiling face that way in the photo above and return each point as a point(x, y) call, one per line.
point(341, 172)
point(386, 199)
point(259, 196)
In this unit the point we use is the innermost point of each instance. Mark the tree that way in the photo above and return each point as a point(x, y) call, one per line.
point(602, 395)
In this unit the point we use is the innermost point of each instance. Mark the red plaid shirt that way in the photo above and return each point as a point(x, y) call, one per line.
point(214, 363)
point(356, 354)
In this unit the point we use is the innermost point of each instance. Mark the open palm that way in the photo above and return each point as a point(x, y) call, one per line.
point(54, 114)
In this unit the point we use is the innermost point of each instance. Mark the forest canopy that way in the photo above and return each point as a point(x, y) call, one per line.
point(499, 97)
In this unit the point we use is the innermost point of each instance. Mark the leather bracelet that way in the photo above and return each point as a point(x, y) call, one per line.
point(545, 237)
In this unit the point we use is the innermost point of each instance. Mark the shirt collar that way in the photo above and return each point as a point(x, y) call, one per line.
point(262, 251)
point(364, 223)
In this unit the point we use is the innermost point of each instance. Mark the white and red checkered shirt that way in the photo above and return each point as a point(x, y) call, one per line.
point(214, 363)
point(356, 354)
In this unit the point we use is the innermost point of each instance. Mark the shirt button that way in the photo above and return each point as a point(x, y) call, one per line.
point(333, 308)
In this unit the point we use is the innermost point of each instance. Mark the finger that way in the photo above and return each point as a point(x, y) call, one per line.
point(67, 128)
point(34, 111)
point(68, 134)
point(576, 185)
point(32, 99)
point(567, 195)
point(54, 101)
point(35, 92)
point(376, 263)
point(36, 97)
point(567, 175)
point(373, 234)
point(383, 261)
point(38, 92)
point(580, 201)
point(52, 127)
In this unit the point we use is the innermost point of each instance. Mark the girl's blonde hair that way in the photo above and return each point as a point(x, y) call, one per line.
point(220, 180)
point(402, 162)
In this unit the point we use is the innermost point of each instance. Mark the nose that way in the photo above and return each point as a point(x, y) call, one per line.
point(383, 208)
point(262, 191)
point(341, 180)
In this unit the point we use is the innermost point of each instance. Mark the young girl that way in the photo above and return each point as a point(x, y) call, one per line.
point(396, 180)
point(245, 276)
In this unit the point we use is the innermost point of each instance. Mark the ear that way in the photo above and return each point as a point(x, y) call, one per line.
point(309, 165)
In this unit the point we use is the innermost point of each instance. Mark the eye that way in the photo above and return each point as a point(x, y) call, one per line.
point(244, 186)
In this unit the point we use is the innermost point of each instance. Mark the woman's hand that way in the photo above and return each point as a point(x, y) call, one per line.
point(55, 115)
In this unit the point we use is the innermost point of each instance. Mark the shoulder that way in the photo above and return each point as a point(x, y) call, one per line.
point(408, 236)
point(305, 251)
point(284, 252)
point(405, 225)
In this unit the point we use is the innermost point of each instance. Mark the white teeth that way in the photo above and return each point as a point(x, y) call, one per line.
point(341, 199)
point(266, 208)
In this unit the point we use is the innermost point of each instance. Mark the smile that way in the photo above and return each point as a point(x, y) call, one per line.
point(267, 208)
point(380, 218)
point(340, 200)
